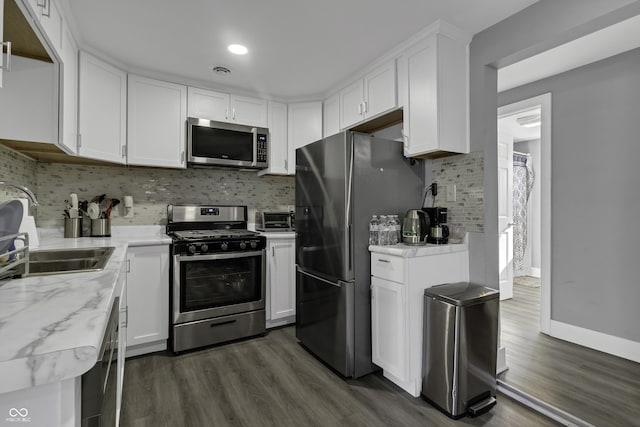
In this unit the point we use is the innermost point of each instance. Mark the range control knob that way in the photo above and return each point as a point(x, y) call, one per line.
point(254, 244)
point(224, 246)
point(204, 247)
point(191, 249)
point(243, 245)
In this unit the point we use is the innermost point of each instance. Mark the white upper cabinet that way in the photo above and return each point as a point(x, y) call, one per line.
point(49, 15)
point(2, 40)
point(278, 142)
point(331, 116)
point(102, 110)
point(248, 111)
point(432, 77)
point(68, 135)
point(369, 96)
point(222, 107)
point(305, 126)
point(156, 125)
point(207, 104)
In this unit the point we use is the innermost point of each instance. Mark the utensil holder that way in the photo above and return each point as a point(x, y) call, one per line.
point(72, 227)
point(101, 227)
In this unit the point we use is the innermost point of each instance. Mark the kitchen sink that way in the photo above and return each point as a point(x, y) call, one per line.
point(59, 261)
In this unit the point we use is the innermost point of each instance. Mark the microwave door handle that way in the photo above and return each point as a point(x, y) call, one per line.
point(254, 131)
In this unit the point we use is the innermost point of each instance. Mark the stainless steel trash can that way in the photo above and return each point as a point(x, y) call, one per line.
point(460, 348)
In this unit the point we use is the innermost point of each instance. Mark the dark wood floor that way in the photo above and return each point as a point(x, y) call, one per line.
point(273, 381)
point(601, 389)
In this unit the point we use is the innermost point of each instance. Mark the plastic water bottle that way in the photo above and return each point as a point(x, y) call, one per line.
point(374, 230)
point(384, 230)
point(395, 221)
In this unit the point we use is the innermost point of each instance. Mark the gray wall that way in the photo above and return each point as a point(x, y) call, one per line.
point(595, 198)
point(537, 28)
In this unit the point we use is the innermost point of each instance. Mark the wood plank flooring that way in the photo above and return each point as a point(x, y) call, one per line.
point(273, 381)
point(601, 389)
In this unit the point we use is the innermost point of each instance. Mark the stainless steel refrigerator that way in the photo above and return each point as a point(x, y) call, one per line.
point(340, 182)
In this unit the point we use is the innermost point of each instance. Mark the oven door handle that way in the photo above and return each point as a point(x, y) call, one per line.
point(188, 258)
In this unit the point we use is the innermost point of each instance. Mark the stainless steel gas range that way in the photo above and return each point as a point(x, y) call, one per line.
point(217, 276)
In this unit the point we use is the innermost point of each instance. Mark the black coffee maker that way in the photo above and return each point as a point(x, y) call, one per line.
point(439, 230)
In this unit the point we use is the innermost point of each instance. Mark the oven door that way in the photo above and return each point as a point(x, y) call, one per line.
point(207, 286)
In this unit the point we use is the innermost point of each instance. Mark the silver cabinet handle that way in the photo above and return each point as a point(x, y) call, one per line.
point(7, 67)
point(360, 108)
point(233, 113)
point(286, 164)
point(366, 106)
point(226, 114)
point(383, 260)
point(182, 157)
point(273, 250)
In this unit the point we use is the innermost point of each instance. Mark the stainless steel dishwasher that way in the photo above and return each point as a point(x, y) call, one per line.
point(460, 348)
point(99, 384)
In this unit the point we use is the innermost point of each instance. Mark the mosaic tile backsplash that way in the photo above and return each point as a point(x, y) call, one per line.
point(466, 171)
point(153, 189)
point(17, 169)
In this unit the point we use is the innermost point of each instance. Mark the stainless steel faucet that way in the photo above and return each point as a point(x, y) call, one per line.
point(25, 190)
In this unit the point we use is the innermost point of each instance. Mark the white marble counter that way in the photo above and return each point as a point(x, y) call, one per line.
point(51, 327)
point(413, 251)
point(274, 235)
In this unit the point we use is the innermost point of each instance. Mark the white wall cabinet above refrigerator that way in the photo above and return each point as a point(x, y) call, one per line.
point(156, 125)
point(370, 96)
point(331, 116)
point(224, 107)
point(102, 110)
point(304, 127)
point(433, 91)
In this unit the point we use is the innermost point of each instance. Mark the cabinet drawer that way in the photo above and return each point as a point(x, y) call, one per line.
point(387, 267)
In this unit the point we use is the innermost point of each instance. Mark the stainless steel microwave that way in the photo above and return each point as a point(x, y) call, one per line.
point(211, 143)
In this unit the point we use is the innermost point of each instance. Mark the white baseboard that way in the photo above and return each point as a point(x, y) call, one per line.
point(501, 362)
point(137, 350)
point(609, 344)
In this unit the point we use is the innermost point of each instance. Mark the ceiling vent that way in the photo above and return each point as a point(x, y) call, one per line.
point(221, 70)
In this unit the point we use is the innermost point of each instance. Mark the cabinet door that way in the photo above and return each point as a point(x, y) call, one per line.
point(351, 104)
point(419, 75)
point(388, 327)
point(51, 20)
point(122, 336)
point(157, 115)
point(331, 116)
point(102, 110)
point(304, 126)
point(147, 294)
point(282, 279)
point(248, 111)
point(380, 90)
point(69, 90)
point(2, 40)
point(207, 104)
point(278, 146)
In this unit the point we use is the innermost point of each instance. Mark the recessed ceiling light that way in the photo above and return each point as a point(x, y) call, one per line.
point(529, 121)
point(238, 49)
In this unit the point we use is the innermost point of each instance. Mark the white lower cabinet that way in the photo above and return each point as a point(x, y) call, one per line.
point(389, 320)
point(281, 281)
point(147, 299)
point(397, 299)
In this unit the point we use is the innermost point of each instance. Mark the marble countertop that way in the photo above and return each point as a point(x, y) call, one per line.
point(51, 327)
point(414, 251)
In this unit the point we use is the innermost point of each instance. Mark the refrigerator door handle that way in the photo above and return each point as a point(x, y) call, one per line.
point(348, 207)
point(313, 276)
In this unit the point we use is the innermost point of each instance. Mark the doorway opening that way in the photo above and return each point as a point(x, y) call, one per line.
point(524, 218)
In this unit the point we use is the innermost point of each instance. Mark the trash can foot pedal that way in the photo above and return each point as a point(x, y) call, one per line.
point(482, 406)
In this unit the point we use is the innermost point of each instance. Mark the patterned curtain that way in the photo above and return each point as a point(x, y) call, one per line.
point(523, 180)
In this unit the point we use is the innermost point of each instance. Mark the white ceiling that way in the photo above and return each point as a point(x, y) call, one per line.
point(298, 49)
